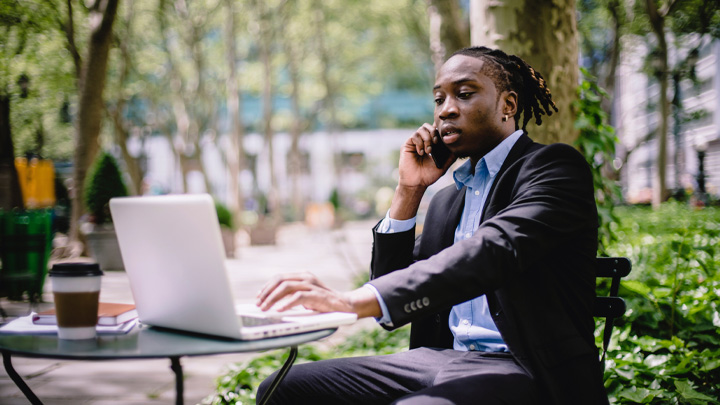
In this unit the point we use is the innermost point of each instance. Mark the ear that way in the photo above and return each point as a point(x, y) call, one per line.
point(510, 103)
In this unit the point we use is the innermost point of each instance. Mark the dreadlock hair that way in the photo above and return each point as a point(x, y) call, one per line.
point(511, 73)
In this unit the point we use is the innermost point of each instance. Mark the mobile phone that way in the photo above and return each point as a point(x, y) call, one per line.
point(440, 152)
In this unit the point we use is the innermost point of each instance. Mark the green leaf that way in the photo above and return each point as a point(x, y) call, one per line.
point(627, 374)
point(637, 287)
point(710, 364)
point(687, 391)
point(637, 395)
point(655, 360)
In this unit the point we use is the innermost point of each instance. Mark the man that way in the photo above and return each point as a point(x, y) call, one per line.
point(500, 286)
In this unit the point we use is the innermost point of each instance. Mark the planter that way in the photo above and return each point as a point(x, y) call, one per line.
point(228, 238)
point(263, 233)
point(104, 248)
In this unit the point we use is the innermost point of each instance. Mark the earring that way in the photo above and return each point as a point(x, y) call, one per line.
point(504, 118)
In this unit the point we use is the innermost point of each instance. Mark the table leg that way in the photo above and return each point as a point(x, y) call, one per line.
point(280, 375)
point(18, 380)
point(176, 367)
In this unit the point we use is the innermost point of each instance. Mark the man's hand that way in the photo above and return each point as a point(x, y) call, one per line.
point(417, 172)
point(417, 168)
point(288, 290)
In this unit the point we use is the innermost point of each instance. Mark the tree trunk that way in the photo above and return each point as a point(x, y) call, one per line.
point(657, 21)
point(90, 106)
point(121, 138)
point(273, 203)
point(610, 79)
point(544, 34)
point(329, 99)
point(201, 105)
point(119, 124)
point(187, 140)
point(68, 28)
point(451, 29)
point(235, 154)
point(294, 160)
point(10, 194)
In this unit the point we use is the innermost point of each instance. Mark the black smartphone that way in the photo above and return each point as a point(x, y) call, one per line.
point(440, 152)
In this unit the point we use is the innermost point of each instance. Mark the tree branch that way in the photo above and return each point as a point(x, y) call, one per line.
point(68, 27)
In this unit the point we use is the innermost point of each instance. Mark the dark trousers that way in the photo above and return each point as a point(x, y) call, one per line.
point(419, 376)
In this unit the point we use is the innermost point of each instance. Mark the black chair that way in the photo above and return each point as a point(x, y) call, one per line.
point(610, 306)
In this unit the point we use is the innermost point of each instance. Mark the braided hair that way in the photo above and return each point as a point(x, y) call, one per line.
point(511, 73)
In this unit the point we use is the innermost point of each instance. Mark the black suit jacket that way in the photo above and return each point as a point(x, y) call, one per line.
point(533, 255)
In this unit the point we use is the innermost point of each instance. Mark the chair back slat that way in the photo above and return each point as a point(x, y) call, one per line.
point(610, 267)
point(611, 306)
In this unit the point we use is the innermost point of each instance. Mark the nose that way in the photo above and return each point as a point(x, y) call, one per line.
point(448, 109)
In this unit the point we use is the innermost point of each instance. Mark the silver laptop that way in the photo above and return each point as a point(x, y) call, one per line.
point(175, 261)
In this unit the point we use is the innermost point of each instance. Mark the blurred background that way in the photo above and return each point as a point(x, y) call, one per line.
point(293, 110)
point(290, 113)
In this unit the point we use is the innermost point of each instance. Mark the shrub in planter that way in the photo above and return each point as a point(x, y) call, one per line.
point(227, 227)
point(104, 182)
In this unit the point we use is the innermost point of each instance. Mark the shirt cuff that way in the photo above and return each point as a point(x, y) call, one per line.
point(389, 225)
point(385, 320)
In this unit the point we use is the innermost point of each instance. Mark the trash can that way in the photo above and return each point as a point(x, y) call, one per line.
point(25, 246)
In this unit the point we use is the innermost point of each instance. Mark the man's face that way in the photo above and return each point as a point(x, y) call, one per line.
point(468, 111)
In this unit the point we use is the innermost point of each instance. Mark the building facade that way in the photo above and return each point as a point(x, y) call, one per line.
point(693, 139)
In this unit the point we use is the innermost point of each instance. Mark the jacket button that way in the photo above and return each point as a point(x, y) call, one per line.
point(412, 306)
point(419, 304)
point(426, 301)
point(407, 308)
point(437, 318)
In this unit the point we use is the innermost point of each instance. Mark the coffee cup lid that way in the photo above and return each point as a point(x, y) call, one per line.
point(75, 270)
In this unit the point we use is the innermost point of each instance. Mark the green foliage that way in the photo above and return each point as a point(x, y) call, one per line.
point(30, 45)
point(225, 217)
point(666, 350)
point(697, 16)
point(104, 182)
point(239, 384)
point(335, 199)
point(597, 143)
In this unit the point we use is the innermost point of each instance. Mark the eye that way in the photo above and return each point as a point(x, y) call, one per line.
point(465, 95)
point(439, 100)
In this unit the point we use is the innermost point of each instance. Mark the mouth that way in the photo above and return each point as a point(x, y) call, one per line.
point(450, 135)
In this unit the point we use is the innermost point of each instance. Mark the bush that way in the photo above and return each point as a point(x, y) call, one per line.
point(596, 142)
point(103, 182)
point(225, 217)
point(666, 350)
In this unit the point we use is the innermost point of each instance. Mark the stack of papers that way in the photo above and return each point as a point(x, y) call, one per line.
point(25, 326)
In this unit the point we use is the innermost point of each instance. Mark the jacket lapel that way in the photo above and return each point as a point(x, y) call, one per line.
point(453, 217)
point(517, 151)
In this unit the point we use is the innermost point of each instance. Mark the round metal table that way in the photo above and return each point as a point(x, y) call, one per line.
point(144, 342)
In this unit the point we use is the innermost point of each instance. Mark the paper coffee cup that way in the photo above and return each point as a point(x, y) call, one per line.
point(76, 292)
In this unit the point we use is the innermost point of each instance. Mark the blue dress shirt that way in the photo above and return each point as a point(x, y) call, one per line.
point(470, 321)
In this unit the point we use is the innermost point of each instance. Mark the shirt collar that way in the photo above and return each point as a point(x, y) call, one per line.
point(493, 160)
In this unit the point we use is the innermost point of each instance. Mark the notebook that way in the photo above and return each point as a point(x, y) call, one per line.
point(175, 262)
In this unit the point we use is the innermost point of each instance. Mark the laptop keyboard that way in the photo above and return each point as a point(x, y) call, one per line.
point(248, 320)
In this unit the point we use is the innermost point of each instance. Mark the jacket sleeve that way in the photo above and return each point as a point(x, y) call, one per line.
point(550, 202)
point(391, 251)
